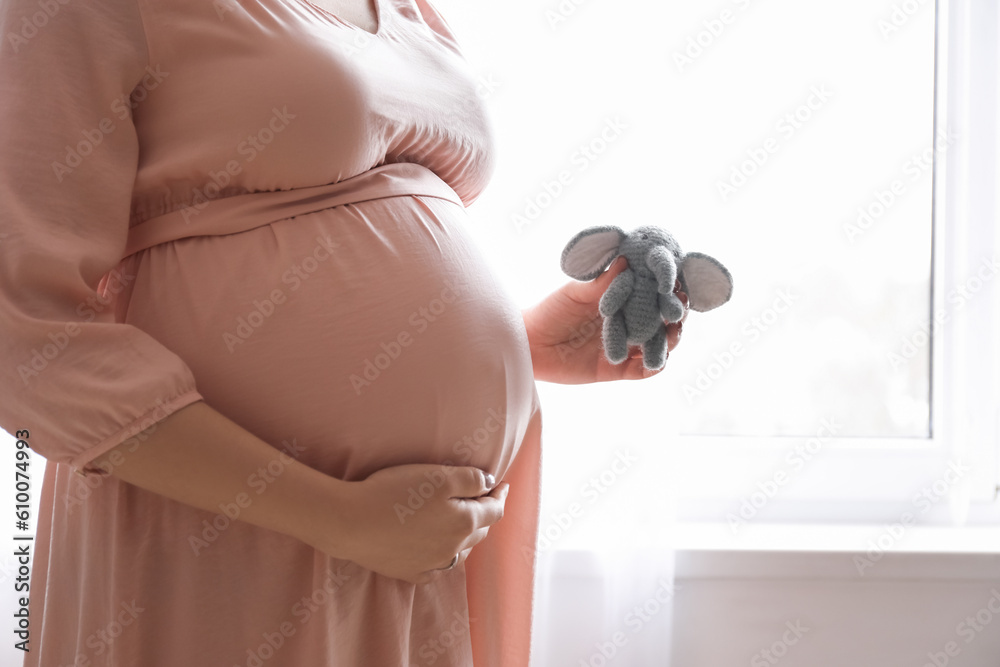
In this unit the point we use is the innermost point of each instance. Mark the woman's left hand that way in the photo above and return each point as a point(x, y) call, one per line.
point(564, 334)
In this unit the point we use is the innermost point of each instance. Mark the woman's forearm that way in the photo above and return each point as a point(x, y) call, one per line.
point(199, 457)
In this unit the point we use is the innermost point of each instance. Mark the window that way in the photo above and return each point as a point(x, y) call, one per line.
point(840, 159)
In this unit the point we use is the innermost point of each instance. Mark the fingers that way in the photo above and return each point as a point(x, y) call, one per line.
point(473, 540)
point(614, 268)
point(463, 555)
point(488, 509)
point(675, 329)
point(430, 575)
point(453, 563)
point(590, 292)
point(479, 498)
point(599, 286)
point(483, 513)
point(469, 482)
point(454, 517)
point(674, 332)
point(497, 497)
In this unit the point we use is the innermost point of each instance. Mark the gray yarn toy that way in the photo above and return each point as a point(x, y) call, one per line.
point(640, 301)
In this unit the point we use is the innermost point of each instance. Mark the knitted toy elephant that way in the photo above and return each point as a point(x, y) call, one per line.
point(640, 300)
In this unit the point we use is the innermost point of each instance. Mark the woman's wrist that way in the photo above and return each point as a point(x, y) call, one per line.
point(328, 523)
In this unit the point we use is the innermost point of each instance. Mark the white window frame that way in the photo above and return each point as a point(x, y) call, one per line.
point(870, 480)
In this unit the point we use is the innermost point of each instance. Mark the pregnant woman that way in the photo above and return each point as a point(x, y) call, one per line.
point(283, 401)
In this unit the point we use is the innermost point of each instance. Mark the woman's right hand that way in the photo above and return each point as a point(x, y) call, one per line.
point(403, 521)
point(409, 521)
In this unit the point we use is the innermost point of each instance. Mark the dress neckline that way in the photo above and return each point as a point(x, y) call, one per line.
point(379, 17)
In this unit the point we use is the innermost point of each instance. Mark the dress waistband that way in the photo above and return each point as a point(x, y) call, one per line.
point(239, 213)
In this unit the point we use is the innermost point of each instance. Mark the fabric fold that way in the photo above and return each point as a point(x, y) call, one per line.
point(239, 213)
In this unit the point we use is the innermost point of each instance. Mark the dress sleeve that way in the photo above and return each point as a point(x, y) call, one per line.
point(77, 380)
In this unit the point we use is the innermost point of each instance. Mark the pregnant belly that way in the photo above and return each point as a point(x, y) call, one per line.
point(358, 337)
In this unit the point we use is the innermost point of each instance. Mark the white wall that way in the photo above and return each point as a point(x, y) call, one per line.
point(730, 606)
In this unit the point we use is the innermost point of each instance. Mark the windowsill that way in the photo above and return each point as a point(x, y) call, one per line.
point(840, 553)
point(837, 538)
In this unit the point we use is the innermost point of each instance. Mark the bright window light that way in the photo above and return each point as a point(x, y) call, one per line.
point(793, 141)
point(805, 146)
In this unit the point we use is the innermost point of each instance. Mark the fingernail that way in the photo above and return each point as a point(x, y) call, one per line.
point(490, 481)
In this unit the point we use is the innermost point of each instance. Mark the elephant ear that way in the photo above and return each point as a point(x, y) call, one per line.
point(591, 251)
point(706, 281)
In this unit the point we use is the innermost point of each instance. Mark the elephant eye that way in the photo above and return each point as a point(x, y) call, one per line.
point(643, 236)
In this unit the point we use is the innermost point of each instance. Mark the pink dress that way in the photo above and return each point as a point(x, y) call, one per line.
point(254, 204)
